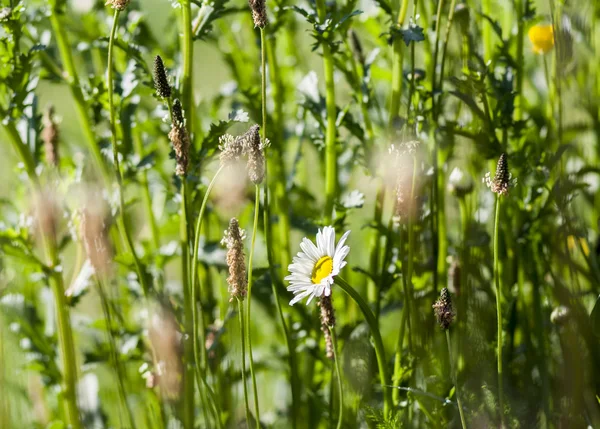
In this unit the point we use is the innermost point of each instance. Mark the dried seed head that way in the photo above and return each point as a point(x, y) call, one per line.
point(502, 180)
point(259, 12)
point(161, 81)
point(357, 49)
point(165, 340)
point(50, 135)
point(327, 321)
point(117, 4)
point(94, 234)
point(237, 280)
point(47, 213)
point(256, 156)
point(443, 310)
point(232, 149)
point(180, 139)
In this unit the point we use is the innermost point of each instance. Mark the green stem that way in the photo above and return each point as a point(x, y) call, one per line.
point(377, 341)
point(498, 309)
point(187, 45)
point(331, 179)
point(248, 302)
point(487, 31)
point(454, 380)
point(520, 59)
point(339, 377)
point(397, 59)
point(120, 375)
point(113, 128)
point(188, 309)
point(243, 336)
point(23, 152)
point(70, 76)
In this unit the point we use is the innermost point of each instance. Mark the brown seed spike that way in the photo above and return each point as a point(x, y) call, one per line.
point(50, 135)
point(327, 321)
point(161, 81)
point(117, 4)
point(256, 156)
point(443, 310)
point(259, 12)
point(237, 280)
point(178, 119)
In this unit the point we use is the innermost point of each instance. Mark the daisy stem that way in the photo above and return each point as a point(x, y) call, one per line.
point(242, 335)
point(377, 341)
point(330, 135)
point(498, 310)
point(248, 301)
point(454, 380)
point(120, 375)
point(339, 377)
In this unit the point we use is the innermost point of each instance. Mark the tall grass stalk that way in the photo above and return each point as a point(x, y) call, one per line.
point(454, 380)
point(243, 339)
point(338, 373)
point(377, 341)
point(331, 167)
point(113, 128)
point(248, 301)
point(187, 83)
point(498, 310)
point(114, 353)
point(71, 77)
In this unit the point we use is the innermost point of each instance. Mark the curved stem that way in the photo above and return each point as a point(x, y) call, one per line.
point(113, 351)
point(377, 341)
point(113, 128)
point(242, 335)
point(498, 310)
point(248, 302)
point(187, 88)
point(339, 377)
point(454, 380)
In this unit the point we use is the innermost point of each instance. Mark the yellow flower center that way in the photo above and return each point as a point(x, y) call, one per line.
point(542, 38)
point(322, 269)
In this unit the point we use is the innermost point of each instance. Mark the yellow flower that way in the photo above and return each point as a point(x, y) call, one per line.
point(542, 38)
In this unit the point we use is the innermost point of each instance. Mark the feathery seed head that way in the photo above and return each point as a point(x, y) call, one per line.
point(502, 180)
point(117, 4)
point(443, 310)
point(161, 81)
point(94, 234)
point(180, 139)
point(237, 280)
point(231, 147)
point(327, 314)
point(259, 12)
point(50, 135)
point(256, 156)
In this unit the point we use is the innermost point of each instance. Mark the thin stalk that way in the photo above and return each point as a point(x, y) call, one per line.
point(520, 59)
point(498, 310)
point(113, 128)
point(22, 151)
point(377, 341)
point(70, 76)
point(243, 336)
point(187, 46)
point(487, 31)
point(331, 179)
point(113, 352)
point(454, 380)
point(188, 306)
point(198, 336)
point(248, 301)
point(397, 361)
point(339, 378)
point(397, 59)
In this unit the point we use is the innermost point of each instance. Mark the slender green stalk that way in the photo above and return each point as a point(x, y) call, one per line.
point(70, 76)
point(454, 380)
point(248, 301)
point(113, 128)
point(331, 176)
point(486, 29)
point(338, 373)
point(498, 310)
point(188, 307)
point(520, 59)
point(377, 341)
point(187, 46)
point(198, 338)
point(23, 152)
point(120, 375)
point(397, 357)
point(397, 59)
point(243, 338)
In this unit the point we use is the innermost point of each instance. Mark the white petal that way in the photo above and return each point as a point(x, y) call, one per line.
point(310, 249)
point(329, 240)
point(300, 296)
point(342, 241)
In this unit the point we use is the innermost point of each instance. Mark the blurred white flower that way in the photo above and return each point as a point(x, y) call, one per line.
point(353, 199)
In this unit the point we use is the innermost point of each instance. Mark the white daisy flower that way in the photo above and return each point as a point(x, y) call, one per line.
point(313, 269)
